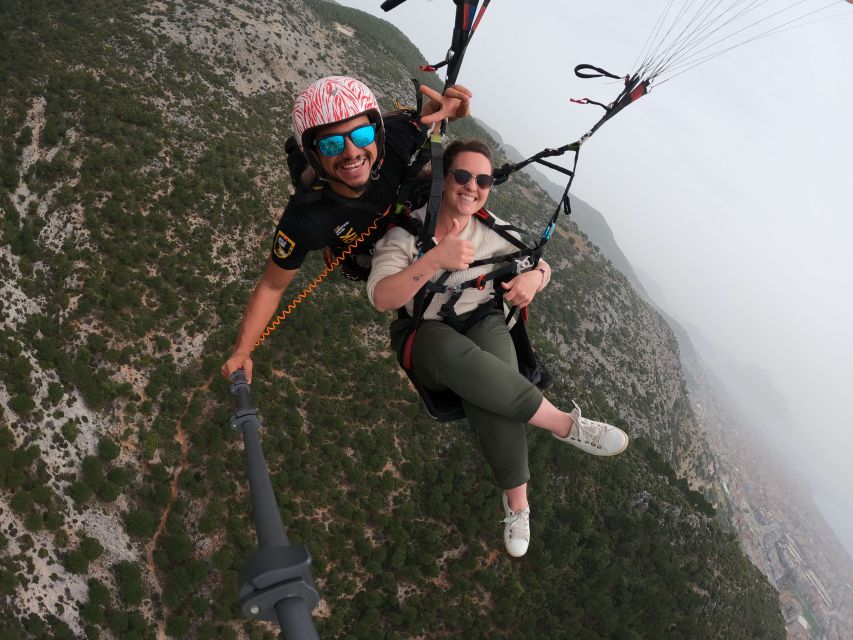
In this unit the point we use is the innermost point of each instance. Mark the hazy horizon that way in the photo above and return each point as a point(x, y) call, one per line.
point(726, 185)
point(833, 512)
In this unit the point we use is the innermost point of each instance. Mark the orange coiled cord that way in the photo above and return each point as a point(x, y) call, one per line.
point(316, 282)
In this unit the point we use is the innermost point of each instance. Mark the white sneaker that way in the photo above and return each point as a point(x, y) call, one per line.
point(516, 529)
point(597, 438)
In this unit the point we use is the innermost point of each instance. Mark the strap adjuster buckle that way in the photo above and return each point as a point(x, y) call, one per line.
point(523, 264)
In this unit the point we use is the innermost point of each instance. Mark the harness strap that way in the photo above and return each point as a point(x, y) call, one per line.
point(434, 204)
point(503, 230)
point(502, 173)
point(521, 260)
point(453, 321)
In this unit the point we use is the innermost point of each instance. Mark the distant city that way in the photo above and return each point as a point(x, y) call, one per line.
point(781, 528)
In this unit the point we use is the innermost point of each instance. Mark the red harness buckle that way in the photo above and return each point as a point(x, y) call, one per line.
point(480, 284)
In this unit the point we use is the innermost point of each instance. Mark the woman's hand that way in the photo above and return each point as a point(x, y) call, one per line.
point(521, 290)
point(452, 253)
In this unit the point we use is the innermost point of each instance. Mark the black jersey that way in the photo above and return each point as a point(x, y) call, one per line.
point(322, 218)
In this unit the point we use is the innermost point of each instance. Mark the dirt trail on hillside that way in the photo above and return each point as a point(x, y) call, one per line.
point(181, 438)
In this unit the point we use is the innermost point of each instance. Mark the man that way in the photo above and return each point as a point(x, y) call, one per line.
point(361, 159)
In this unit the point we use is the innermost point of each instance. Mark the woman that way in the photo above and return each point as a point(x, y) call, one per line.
point(479, 365)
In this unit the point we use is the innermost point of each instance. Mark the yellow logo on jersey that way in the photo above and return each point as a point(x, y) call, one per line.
point(283, 245)
point(350, 236)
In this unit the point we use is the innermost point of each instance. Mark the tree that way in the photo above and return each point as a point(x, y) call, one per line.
point(8, 583)
point(98, 592)
point(178, 626)
point(53, 520)
point(178, 546)
point(92, 613)
point(22, 403)
point(76, 562)
point(42, 494)
point(91, 548)
point(22, 502)
point(93, 471)
point(129, 580)
point(108, 449)
point(108, 491)
point(141, 522)
point(80, 492)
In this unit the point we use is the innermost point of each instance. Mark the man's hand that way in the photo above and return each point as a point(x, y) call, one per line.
point(238, 360)
point(455, 103)
point(452, 253)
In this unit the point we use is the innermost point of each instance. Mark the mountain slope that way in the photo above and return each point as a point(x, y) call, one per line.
point(142, 173)
point(745, 430)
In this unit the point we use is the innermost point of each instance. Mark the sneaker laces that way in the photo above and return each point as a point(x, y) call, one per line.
point(519, 523)
point(588, 431)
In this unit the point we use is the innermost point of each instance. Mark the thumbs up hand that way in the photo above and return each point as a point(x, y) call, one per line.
point(452, 253)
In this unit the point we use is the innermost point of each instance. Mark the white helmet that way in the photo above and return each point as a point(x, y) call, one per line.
point(331, 100)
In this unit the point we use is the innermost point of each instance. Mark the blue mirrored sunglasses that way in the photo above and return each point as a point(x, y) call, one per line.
point(333, 145)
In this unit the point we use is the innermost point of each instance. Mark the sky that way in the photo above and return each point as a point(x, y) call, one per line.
point(725, 185)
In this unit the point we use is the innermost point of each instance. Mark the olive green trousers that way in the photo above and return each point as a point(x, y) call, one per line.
point(480, 367)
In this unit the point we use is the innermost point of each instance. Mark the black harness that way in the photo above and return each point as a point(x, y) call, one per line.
point(445, 405)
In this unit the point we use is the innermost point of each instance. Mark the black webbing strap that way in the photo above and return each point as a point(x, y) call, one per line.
point(517, 261)
point(419, 158)
point(502, 173)
point(422, 300)
point(435, 193)
point(555, 167)
point(463, 30)
point(599, 72)
point(518, 258)
point(464, 27)
point(634, 89)
point(459, 42)
point(564, 205)
point(419, 100)
point(503, 230)
point(462, 326)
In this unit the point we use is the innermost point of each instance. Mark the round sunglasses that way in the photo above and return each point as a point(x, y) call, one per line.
point(334, 144)
point(463, 177)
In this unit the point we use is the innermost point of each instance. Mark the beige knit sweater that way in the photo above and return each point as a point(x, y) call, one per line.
point(396, 251)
